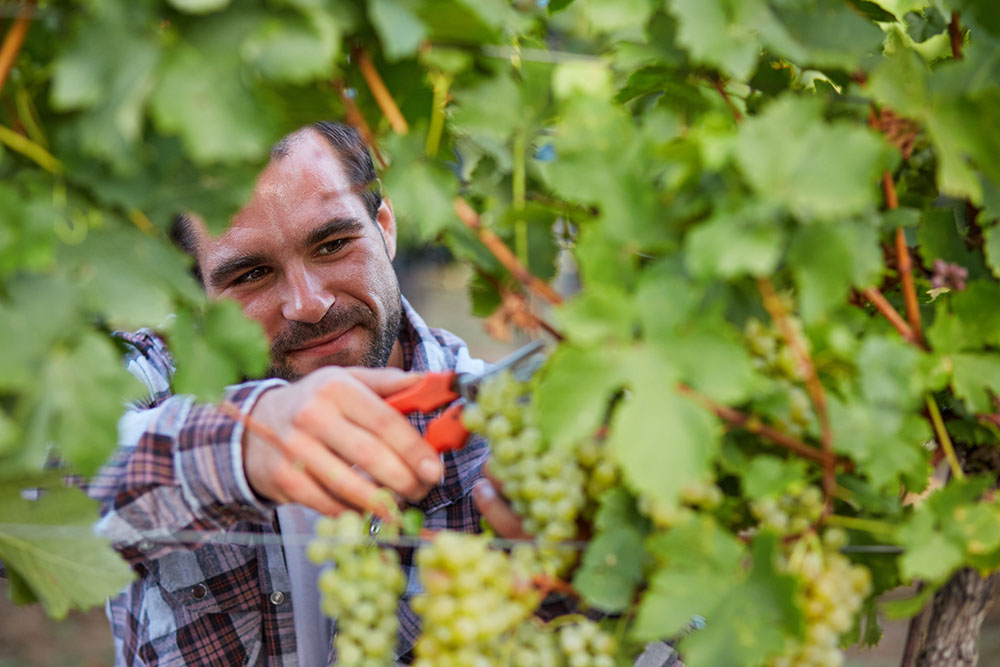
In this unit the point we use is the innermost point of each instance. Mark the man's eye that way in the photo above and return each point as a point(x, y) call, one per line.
point(251, 276)
point(331, 247)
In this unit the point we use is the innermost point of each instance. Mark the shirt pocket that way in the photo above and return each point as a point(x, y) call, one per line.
point(211, 579)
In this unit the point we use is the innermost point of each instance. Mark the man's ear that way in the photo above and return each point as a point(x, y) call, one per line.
point(386, 220)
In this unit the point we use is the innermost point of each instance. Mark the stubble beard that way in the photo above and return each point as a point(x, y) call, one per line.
point(382, 335)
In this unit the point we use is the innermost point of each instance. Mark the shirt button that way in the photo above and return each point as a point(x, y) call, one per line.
point(144, 545)
point(199, 591)
point(277, 597)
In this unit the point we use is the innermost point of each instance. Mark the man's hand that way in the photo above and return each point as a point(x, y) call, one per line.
point(342, 442)
point(488, 494)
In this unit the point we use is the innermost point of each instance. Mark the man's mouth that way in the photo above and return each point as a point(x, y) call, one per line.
point(326, 345)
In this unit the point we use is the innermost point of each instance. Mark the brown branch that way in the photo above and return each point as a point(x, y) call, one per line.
point(756, 426)
point(381, 93)
point(737, 115)
point(807, 371)
point(905, 266)
point(15, 39)
point(955, 35)
point(504, 254)
point(895, 319)
point(358, 122)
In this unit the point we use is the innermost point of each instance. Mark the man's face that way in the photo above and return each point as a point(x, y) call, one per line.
point(305, 259)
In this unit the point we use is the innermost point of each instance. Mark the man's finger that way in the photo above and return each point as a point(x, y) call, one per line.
point(505, 522)
point(384, 381)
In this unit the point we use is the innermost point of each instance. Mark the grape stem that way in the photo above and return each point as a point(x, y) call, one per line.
point(380, 92)
point(756, 426)
point(720, 86)
point(504, 255)
point(955, 35)
point(807, 371)
point(943, 438)
point(356, 120)
point(28, 148)
point(15, 39)
point(878, 300)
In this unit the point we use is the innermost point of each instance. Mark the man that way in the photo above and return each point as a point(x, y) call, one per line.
point(309, 258)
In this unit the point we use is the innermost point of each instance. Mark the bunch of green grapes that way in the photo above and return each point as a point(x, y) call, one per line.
point(793, 512)
point(531, 644)
point(545, 485)
point(585, 644)
point(601, 471)
point(361, 591)
point(832, 591)
point(473, 596)
point(772, 356)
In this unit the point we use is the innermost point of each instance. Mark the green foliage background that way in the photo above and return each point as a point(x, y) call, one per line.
point(622, 120)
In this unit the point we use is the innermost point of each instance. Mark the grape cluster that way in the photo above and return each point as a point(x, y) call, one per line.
point(793, 512)
point(832, 591)
point(584, 644)
point(472, 597)
point(361, 590)
point(601, 471)
point(531, 645)
point(545, 485)
point(772, 356)
point(950, 275)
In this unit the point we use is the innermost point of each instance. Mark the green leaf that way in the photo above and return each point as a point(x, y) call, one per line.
point(769, 476)
point(932, 558)
point(575, 390)
point(81, 422)
point(601, 314)
point(660, 439)
point(992, 247)
point(823, 33)
point(717, 33)
point(908, 607)
point(700, 565)
point(203, 95)
point(976, 377)
point(890, 373)
point(830, 171)
point(53, 553)
point(291, 50)
point(612, 563)
point(851, 256)
point(199, 6)
point(940, 237)
point(493, 109)
point(399, 27)
point(734, 243)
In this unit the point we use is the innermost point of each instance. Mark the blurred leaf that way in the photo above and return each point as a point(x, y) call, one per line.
point(199, 6)
point(612, 563)
point(735, 243)
point(292, 50)
point(399, 28)
point(53, 556)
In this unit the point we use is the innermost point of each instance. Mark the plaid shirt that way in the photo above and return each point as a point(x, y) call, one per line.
point(179, 469)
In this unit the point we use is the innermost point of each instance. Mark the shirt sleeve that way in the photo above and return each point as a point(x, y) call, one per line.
point(176, 474)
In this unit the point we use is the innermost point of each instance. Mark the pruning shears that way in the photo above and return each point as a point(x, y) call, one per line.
point(435, 390)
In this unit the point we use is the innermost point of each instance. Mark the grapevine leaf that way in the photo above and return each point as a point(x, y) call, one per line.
point(203, 95)
point(754, 618)
point(82, 422)
point(701, 563)
point(769, 476)
point(976, 377)
point(711, 359)
point(826, 33)
point(660, 439)
point(974, 309)
point(928, 555)
point(939, 238)
point(992, 239)
point(399, 28)
point(829, 172)
point(890, 376)
point(493, 108)
point(292, 51)
point(199, 6)
point(908, 607)
point(63, 570)
point(575, 391)
point(718, 33)
point(599, 315)
point(850, 256)
point(734, 243)
point(611, 568)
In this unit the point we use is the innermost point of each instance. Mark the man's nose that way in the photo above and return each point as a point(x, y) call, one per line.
point(306, 298)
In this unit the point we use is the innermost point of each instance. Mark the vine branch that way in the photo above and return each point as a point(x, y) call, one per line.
point(904, 264)
point(878, 300)
point(15, 39)
point(358, 122)
point(754, 425)
point(504, 254)
point(719, 86)
point(955, 36)
point(807, 369)
point(380, 92)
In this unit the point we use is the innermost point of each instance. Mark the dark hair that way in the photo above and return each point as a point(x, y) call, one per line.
point(354, 156)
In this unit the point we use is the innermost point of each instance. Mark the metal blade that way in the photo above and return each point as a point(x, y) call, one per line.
point(522, 363)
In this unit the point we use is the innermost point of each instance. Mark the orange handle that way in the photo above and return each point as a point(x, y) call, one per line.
point(446, 431)
point(429, 393)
